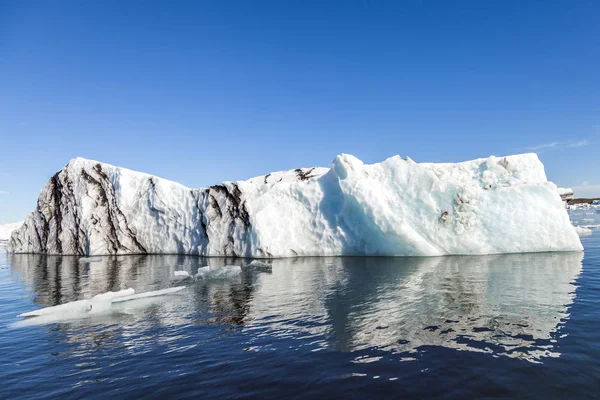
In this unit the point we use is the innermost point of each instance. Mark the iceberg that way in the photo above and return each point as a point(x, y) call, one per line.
point(397, 207)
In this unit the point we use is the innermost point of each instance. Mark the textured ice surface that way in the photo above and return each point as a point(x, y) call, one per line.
point(181, 273)
point(6, 230)
point(225, 272)
point(583, 231)
point(258, 266)
point(146, 295)
point(394, 208)
point(100, 304)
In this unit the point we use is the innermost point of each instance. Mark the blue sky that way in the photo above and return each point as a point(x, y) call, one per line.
point(201, 92)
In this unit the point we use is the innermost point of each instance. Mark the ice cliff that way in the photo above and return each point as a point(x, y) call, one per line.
point(394, 208)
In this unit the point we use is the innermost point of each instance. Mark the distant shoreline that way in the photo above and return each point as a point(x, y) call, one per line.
point(582, 201)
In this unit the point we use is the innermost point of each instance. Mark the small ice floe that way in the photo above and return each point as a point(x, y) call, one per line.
point(228, 271)
point(590, 226)
point(100, 304)
point(181, 274)
point(258, 266)
point(96, 304)
point(583, 231)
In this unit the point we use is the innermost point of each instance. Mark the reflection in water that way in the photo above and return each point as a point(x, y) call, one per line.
point(510, 305)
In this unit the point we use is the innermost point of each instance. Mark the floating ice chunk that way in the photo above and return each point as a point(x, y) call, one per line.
point(100, 304)
point(228, 271)
point(181, 273)
point(146, 295)
point(258, 266)
point(95, 304)
point(203, 271)
point(583, 231)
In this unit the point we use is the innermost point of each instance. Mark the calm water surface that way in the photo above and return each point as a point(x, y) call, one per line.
point(510, 326)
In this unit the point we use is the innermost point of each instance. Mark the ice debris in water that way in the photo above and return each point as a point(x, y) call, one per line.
point(228, 271)
point(583, 231)
point(184, 274)
point(99, 304)
point(258, 266)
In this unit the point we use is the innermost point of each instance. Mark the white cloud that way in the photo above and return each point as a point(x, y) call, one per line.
point(580, 143)
point(586, 190)
point(556, 145)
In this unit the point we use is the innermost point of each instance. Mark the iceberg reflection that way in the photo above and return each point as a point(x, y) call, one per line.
point(510, 305)
point(505, 305)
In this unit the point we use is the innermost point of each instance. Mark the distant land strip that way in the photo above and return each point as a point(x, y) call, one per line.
point(582, 201)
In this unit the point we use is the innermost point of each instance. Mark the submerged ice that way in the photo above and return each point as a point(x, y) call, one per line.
point(103, 303)
point(394, 208)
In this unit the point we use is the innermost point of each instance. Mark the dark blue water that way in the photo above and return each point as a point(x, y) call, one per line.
point(511, 326)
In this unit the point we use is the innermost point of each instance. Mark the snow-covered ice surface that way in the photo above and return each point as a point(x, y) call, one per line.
point(394, 208)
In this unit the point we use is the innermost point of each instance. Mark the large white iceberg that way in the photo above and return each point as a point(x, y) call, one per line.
point(394, 208)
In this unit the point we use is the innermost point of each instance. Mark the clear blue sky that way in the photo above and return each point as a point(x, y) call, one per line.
point(200, 92)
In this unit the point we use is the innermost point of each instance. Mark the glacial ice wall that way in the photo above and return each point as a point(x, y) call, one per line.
point(394, 208)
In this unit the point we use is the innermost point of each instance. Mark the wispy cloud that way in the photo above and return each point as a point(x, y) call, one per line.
point(4, 192)
point(581, 143)
point(557, 145)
